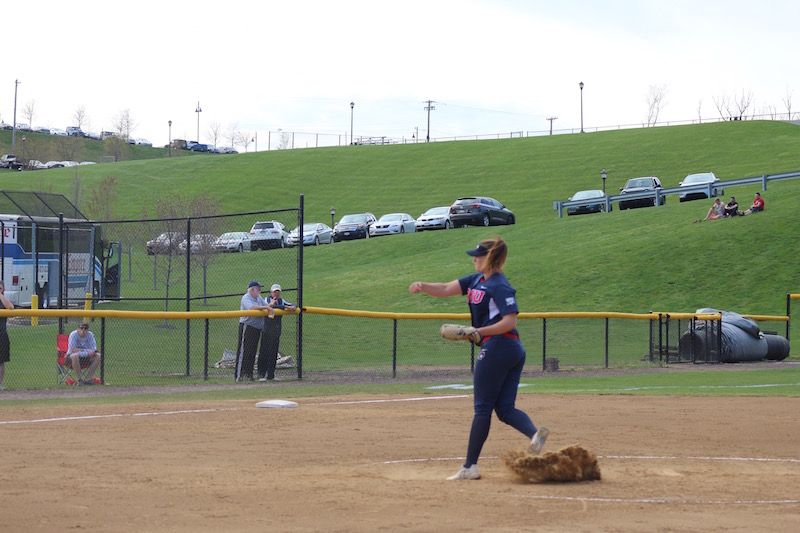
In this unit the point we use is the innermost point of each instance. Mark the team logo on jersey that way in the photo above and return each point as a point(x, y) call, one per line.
point(510, 301)
point(475, 296)
point(481, 354)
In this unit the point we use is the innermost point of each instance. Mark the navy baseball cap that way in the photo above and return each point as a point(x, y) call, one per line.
point(479, 251)
point(254, 284)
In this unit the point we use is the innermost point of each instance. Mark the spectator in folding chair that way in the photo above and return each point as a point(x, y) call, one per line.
point(83, 348)
point(5, 343)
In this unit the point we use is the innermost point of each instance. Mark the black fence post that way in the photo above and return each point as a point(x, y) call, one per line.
point(394, 346)
point(544, 344)
point(606, 342)
point(205, 356)
point(788, 313)
point(102, 350)
point(188, 292)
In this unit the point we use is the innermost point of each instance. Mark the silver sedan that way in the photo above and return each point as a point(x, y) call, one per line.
point(434, 218)
point(315, 233)
point(234, 241)
point(393, 224)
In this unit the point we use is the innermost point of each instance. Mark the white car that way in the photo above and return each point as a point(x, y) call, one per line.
point(202, 243)
point(696, 181)
point(233, 241)
point(393, 224)
point(143, 142)
point(58, 131)
point(268, 234)
point(314, 233)
point(54, 164)
point(434, 218)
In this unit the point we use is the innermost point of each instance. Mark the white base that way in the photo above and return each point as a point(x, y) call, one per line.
point(276, 403)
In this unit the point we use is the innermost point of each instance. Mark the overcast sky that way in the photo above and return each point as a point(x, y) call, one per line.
point(489, 66)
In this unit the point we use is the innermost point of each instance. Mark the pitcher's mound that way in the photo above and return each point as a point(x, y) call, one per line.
point(572, 463)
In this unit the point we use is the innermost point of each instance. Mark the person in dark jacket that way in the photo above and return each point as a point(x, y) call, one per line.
point(271, 335)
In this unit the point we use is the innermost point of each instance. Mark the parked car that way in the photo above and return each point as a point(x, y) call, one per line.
point(479, 211)
point(42, 130)
point(94, 135)
point(268, 234)
point(165, 243)
point(7, 159)
point(130, 140)
point(694, 180)
point(143, 142)
point(355, 226)
point(87, 163)
point(4, 126)
point(202, 243)
point(58, 131)
point(35, 164)
point(75, 131)
point(315, 233)
point(199, 147)
point(233, 241)
point(107, 135)
point(22, 126)
point(634, 185)
point(434, 218)
point(54, 164)
point(393, 224)
point(599, 195)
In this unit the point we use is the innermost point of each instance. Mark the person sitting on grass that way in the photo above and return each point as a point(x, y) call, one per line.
point(83, 349)
point(717, 210)
point(758, 205)
point(732, 208)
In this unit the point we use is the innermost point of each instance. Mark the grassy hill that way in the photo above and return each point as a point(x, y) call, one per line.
point(635, 261)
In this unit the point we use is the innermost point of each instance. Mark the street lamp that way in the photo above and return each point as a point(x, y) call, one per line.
point(169, 145)
point(333, 212)
point(23, 148)
point(604, 175)
point(581, 86)
point(198, 111)
point(352, 105)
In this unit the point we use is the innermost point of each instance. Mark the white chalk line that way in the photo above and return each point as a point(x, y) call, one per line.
point(622, 457)
point(188, 411)
point(111, 415)
point(463, 386)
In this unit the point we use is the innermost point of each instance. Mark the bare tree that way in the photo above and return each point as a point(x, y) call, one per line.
point(656, 95)
point(116, 147)
point(244, 139)
point(205, 229)
point(103, 200)
point(743, 103)
point(29, 111)
point(787, 101)
point(81, 119)
point(232, 135)
point(69, 148)
point(284, 140)
point(170, 209)
point(35, 149)
point(723, 105)
point(214, 133)
point(700, 111)
point(124, 124)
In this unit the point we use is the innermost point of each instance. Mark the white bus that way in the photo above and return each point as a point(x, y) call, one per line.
point(30, 260)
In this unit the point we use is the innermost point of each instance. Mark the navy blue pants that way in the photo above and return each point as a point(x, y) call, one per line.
point(497, 372)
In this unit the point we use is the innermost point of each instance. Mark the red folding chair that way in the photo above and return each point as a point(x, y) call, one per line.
point(66, 374)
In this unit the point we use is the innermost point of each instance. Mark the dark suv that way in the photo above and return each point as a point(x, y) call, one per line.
point(353, 227)
point(479, 211)
point(637, 185)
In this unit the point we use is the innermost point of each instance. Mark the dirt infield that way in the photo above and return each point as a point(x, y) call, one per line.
point(360, 463)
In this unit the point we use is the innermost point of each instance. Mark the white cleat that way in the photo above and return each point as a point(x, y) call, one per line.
point(466, 473)
point(537, 443)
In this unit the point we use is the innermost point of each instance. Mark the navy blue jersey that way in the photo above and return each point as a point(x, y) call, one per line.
point(489, 299)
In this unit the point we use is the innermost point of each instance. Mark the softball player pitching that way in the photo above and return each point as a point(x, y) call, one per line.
point(498, 368)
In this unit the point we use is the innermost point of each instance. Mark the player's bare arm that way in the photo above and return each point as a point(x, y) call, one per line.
point(438, 290)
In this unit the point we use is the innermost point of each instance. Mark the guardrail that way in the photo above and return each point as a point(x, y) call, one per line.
point(658, 194)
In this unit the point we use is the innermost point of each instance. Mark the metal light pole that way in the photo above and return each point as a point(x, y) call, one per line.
point(169, 145)
point(198, 111)
point(255, 139)
point(14, 132)
point(333, 212)
point(581, 86)
point(604, 175)
point(23, 148)
point(352, 105)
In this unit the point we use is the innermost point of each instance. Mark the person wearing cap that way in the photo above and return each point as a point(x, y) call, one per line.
point(5, 342)
point(83, 349)
point(250, 328)
point(498, 367)
point(271, 335)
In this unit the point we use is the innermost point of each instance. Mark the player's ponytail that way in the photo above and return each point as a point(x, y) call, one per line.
point(496, 257)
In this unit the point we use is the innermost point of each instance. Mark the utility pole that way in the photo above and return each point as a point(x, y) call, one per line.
point(429, 108)
point(551, 119)
point(14, 133)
